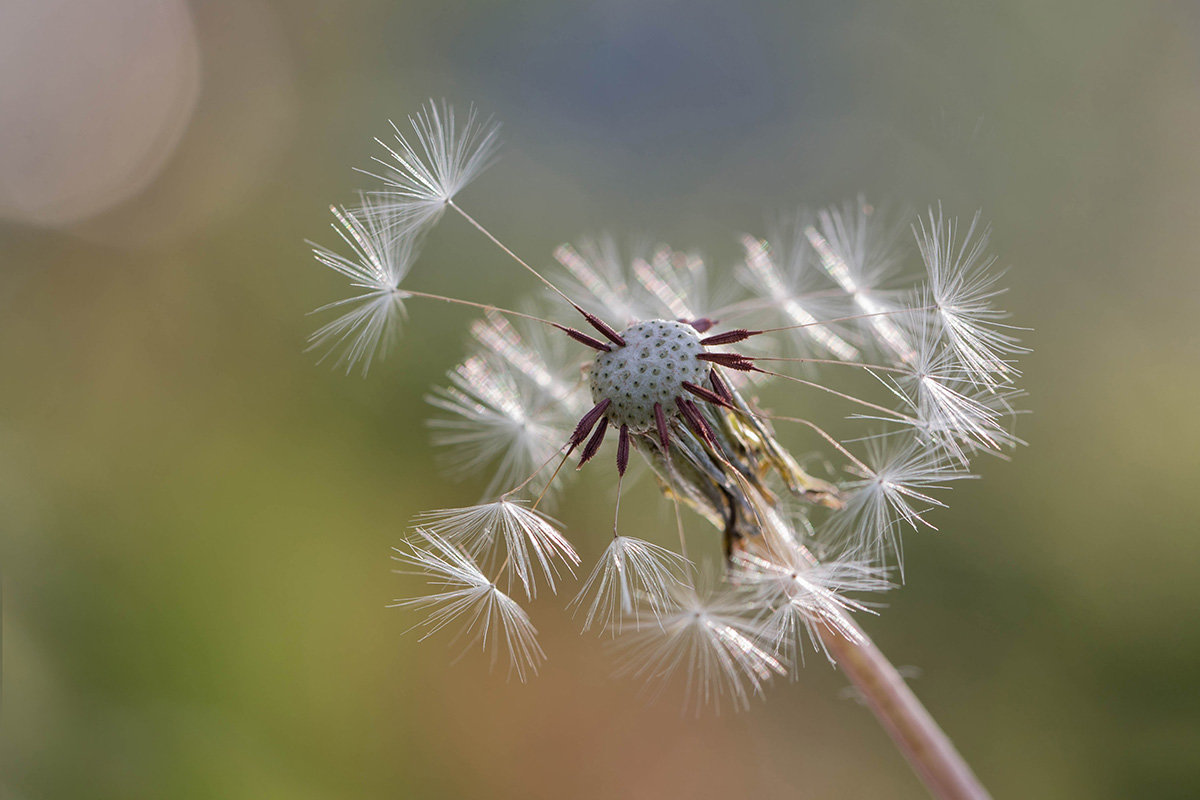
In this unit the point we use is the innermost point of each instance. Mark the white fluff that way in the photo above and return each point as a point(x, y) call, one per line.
point(463, 595)
point(370, 320)
point(633, 578)
point(509, 534)
point(425, 172)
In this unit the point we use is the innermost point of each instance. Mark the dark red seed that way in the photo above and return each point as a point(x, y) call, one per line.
point(705, 394)
point(701, 325)
point(588, 422)
point(594, 443)
point(730, 360)
point(603, 327)
point(623, 450)
point(696, 421)
point(664, 433)
point(719, 386)
point(583, 338)
point(729, 337)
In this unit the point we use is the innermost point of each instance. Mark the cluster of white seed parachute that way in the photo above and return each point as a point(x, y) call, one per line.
point(823, 295)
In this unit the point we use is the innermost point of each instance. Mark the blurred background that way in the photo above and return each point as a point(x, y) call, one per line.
point(195, 520)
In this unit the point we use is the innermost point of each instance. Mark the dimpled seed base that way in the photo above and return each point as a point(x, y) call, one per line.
point(658, 356)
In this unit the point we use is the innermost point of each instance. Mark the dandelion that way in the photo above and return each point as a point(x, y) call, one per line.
point(651, 355)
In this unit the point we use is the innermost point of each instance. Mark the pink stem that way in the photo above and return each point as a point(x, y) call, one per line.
point(928, 750)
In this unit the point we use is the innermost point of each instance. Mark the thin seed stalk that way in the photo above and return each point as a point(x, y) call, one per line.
point(928, 750)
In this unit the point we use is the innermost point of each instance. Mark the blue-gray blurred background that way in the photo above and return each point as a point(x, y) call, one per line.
point(196, 520)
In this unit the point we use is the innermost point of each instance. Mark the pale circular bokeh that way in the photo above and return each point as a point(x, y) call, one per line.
point(94, 97)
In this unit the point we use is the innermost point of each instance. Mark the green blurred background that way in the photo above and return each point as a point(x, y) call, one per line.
point(196, 520)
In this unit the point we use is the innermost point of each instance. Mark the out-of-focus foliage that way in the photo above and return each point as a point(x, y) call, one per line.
point(195, 521)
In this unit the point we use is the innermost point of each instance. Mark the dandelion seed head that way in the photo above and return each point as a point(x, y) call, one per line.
point(658, 357)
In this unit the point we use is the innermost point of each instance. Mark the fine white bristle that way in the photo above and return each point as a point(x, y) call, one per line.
point(897, 489)
point(802, 596)
point(545, 359)
point(792, 292)
point(425, 172)
point(951, 407)
point(598, 280)
point(652, 283)
point(712, 639)
point(509, 534)
point(463, 595)
point(370, 320)
point(497, 420)
point(798, 594)
point(858, 252)
point(962, 289)
point(632, 578)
